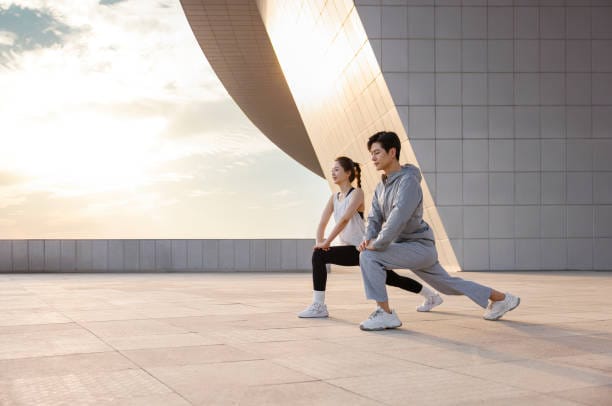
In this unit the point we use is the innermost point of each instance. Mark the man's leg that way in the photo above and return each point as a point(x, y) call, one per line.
point(374, 276)
point(439, 279)
point(422, 258)
point(374, 279)
point(374, 265)
point(501, 303)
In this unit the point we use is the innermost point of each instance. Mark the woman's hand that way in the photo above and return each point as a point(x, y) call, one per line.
point(322, 245)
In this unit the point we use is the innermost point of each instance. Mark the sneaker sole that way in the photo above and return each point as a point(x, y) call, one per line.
point(380, 328)
point(313, 317)
point(518, 302)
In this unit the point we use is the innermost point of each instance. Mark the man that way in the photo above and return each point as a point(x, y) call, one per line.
point(398, 237)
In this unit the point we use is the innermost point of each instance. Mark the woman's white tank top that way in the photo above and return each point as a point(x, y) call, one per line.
point(354, 231)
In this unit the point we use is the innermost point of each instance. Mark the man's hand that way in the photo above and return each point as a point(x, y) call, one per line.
point(366, 245)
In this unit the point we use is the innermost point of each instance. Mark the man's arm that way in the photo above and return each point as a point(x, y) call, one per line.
point(375, 218)
point(409, 195)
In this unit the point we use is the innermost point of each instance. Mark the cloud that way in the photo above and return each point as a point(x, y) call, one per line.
point(7, 38)
point(9, 178)
point(257, 200)
point(283, 193)
point(115, 93)
point(110, 2)
point(122, 130)
point(217, 116)
point(25, 29)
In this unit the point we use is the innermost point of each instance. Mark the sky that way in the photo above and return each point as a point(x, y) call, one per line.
point(113, 125)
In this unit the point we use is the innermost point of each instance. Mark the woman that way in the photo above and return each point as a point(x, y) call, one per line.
point(347, 207)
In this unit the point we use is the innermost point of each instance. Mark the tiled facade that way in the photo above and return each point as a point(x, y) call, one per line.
point(329, 67)
point(506, 106)
point(339, 89)
point(236, 44)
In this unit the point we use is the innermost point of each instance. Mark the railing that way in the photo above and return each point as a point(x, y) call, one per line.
point(155, 255)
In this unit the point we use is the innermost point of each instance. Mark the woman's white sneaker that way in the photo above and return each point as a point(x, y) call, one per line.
point(314, 310)
point(496, 310)
point(381, 320)
point(430, 302)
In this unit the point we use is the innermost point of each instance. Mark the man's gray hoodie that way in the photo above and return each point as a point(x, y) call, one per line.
point(397, 210)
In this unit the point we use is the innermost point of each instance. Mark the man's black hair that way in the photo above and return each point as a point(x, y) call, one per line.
point(388, 140)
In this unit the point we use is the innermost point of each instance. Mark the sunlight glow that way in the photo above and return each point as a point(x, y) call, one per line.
point(120, 129)
point(303, 56)
point(87, 153)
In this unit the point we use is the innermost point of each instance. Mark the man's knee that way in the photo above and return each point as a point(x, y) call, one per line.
point(367, 256)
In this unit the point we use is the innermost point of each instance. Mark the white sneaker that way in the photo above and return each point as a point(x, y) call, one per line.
point(380, 320)
point(496, 310)
point(429, 303)
point(314, 310)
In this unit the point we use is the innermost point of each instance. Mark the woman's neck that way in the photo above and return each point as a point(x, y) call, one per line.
point(345, 187)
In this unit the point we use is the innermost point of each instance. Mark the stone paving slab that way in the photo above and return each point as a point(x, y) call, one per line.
point(234, 338)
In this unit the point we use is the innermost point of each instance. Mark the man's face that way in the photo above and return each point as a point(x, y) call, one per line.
point(381, 158)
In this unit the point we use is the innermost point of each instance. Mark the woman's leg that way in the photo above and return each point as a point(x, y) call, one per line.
point(338, 255)
point(403, 282)
point(346, 255)
point(432, 298)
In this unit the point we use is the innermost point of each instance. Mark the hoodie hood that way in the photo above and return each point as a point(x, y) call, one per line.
point(406, 170)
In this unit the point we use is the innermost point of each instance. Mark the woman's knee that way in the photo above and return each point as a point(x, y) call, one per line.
point(318, 257)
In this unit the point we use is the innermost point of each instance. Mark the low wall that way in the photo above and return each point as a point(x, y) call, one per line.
point(155, 255)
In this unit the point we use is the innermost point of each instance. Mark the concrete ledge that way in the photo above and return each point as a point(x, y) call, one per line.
point(155, 255)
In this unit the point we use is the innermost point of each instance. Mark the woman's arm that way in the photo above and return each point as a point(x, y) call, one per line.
point(327, 212)
point(356, 203)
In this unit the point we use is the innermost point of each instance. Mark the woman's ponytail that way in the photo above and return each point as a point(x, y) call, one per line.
point(357, 172)
point(350, 166)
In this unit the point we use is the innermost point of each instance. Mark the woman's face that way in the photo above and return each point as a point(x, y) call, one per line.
point(339, 175)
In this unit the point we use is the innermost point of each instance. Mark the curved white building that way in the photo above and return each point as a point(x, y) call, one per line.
point(505, 105)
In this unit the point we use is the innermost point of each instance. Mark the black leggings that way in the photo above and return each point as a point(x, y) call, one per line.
point(347, 255)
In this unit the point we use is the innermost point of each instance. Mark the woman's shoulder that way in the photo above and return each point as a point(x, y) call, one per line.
point(358, 191)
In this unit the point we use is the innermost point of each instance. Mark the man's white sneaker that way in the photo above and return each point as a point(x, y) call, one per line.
point(381, 320)
point(429, 303)
point(314, 310)
point(496, 310)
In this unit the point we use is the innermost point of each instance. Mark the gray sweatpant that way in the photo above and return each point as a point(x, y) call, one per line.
point(421, 257)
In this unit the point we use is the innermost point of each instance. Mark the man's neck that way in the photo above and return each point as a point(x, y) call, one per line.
point(394, 167)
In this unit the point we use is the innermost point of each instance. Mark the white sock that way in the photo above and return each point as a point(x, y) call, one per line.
point(427, 292)
point(318, 296)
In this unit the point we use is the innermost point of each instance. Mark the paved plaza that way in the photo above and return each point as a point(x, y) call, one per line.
point(233, 338)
